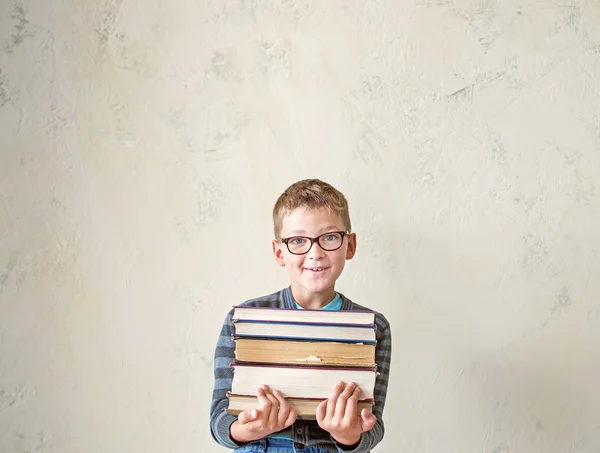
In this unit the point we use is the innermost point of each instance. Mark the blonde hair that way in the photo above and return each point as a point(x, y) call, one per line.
point(311, 194)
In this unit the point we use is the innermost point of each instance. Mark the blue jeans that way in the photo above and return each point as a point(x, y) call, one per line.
point(276, 446)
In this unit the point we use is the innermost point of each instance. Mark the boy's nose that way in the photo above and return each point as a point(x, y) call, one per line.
point(315, 251)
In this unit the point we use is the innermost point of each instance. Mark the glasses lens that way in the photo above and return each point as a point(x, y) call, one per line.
point(298, 244)
point(331, 241)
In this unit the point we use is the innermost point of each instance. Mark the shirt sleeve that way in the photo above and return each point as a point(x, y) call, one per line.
point(383, 358)
point(220, 420)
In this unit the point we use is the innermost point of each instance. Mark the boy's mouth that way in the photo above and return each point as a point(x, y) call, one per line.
point(315, 269)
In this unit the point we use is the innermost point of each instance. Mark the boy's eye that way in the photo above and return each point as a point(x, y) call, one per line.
point(331, 237)
point(297, 241)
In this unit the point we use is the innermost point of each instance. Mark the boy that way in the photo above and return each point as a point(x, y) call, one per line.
point(312, 241)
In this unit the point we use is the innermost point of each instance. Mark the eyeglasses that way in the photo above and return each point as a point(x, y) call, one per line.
point(300, 245)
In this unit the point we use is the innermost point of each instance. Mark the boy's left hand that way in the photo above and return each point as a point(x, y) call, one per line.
point(338, 416)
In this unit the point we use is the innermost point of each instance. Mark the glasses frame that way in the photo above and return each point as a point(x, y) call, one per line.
point(313, 240)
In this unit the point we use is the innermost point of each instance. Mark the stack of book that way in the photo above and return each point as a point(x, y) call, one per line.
point(303, 354)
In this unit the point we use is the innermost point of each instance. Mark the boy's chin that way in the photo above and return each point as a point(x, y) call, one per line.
point(319, 286)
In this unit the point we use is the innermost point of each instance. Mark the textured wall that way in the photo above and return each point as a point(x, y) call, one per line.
point(143, 144)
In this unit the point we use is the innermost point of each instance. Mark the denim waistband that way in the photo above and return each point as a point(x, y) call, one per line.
point(270, 445)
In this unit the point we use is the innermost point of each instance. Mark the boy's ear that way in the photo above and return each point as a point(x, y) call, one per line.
point(278, 252)
point(351, 249)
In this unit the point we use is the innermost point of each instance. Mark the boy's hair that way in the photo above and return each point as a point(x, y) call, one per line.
point(311, 194)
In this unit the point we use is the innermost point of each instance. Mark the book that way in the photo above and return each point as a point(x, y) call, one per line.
point(357, 317)
point(303, 354)
point(305, 407)
point(305, 331)
point(300, 381)
point(331, 353)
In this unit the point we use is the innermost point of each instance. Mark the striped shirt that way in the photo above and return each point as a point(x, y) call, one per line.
point(303, 432)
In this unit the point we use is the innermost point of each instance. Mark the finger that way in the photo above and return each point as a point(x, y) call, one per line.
point(368, 420)
point(280, 399)
point(340, 407)
point(332, 401)
point(321, 411)
point(274, 406)
point(263, 401)
point(351, 405)
point(247, 416)
point(291, 418)
point(284, 407)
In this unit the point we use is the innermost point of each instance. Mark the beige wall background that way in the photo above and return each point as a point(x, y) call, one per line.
point(144, 143)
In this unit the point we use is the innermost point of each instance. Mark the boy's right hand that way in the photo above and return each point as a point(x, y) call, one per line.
point(272, 414)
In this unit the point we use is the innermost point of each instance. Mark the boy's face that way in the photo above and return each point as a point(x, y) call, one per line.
point(313, 275)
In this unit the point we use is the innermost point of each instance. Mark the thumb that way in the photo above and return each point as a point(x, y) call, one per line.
point(321, 409)
point(368, 420)
point(247, 416)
